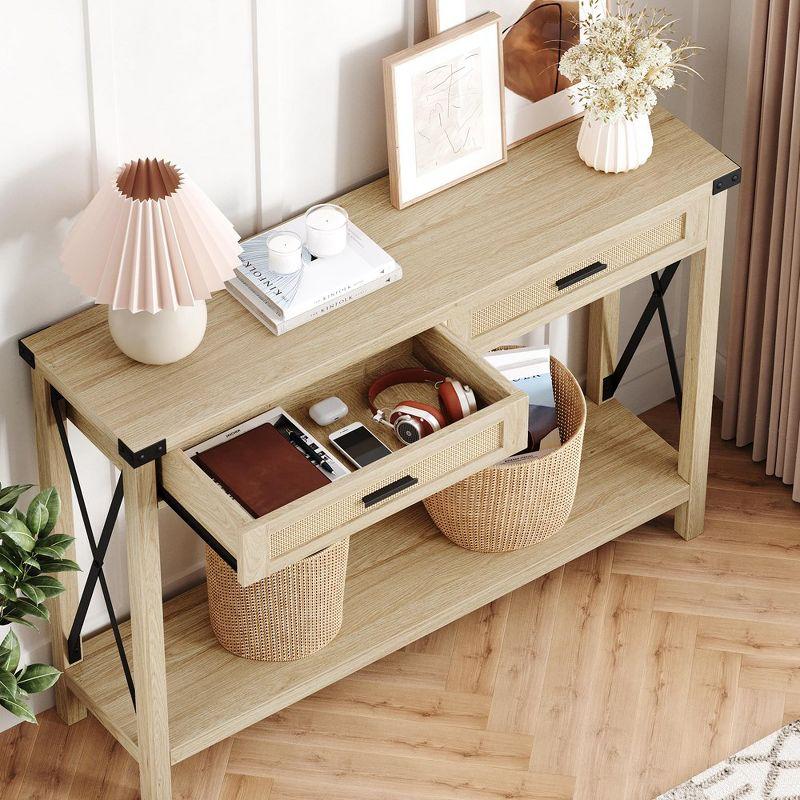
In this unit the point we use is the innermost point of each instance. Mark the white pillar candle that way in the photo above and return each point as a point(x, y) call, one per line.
point(285, 251)
point(326, 230)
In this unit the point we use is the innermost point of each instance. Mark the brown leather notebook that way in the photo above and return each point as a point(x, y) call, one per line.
point(261, 470)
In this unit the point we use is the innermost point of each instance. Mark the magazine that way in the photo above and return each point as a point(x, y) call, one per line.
point(528, 368)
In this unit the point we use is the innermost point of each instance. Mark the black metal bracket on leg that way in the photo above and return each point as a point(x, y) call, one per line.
point(654, 304)
point(136, 458)
point(98, 548)
point(26, 354)
point(727, 181)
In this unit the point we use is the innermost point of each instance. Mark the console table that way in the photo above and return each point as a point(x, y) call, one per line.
point(489, 259)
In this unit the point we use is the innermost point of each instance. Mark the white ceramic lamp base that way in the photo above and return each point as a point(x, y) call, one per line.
point(161, 338)
point(615, 146)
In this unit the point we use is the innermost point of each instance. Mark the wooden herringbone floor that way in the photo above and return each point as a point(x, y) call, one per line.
point(614, 678)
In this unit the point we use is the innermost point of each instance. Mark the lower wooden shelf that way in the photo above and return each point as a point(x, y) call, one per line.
point(405, 579)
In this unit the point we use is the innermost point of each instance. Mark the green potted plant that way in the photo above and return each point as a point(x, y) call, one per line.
point(29, 553)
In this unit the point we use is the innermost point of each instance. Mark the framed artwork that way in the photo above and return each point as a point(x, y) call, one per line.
point(444, 110)
point(535, 34)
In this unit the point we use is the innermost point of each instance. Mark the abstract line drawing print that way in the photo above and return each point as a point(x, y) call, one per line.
point(448, 112)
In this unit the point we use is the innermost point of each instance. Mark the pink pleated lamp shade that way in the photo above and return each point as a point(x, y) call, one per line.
point(150, 240)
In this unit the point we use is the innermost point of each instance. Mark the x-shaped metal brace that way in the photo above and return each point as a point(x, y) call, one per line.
point(99, 548)
point(654, 304)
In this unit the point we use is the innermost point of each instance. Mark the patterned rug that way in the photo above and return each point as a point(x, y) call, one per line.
point(767, 770)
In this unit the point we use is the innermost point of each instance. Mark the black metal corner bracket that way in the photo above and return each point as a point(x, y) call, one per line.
point(137, 458)
point(26, 354)
point(99, 548)
point(654, 304)
point(727, 181)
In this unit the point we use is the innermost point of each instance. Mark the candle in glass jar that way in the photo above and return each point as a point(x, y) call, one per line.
point(285, 252)
point(326, 230)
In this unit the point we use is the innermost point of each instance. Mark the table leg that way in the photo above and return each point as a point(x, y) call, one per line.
point(53, 471)
point(147, 627)
point(698, 372)
point(603, 340)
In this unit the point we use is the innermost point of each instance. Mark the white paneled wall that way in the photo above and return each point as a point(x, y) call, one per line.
point(44, 181)
point(269, 104)
point(331, 110)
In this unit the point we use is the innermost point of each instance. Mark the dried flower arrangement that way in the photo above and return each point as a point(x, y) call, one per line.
point(623, 61)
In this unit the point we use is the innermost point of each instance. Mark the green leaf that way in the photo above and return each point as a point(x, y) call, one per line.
point(49, 552)
point(57, 540)
point(52, 502)
point(37, 517)
point(11, 646)
point(49, 587)
point(6, 518)
point(58, 565)
point(30, 561)
point(32, 593)
point(21, 605)
point(9, 566)
point(7, 589)
point(18, 619)
point(19, 534)
point(18, 708)
point(10, 495)
point(38, 677)
point(8, 684)
point(11, 551)
point(20, 515)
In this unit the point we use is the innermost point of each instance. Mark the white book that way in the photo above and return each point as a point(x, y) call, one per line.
point(518, 357)
point(265, 314)
point(320, 280)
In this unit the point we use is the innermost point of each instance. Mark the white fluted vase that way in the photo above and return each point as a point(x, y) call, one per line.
point(615, 146)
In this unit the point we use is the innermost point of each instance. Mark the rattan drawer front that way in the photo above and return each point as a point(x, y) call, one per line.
point(619, 255)
point(351, 507)
point(285, 536)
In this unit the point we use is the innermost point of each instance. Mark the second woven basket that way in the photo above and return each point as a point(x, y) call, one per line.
point(514, 505)
point(286, 616)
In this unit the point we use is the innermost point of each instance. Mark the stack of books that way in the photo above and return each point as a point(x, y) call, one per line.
point(283, 302)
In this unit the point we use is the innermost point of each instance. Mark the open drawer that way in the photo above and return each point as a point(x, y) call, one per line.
point(269, 543)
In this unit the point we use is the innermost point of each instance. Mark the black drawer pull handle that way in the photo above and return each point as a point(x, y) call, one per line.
point(387, 491)
point(580, 275)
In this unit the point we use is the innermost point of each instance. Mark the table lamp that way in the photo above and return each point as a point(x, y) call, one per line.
point(152, 247)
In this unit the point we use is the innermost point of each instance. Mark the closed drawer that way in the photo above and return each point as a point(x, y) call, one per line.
point(363, 497)
point(523, 305)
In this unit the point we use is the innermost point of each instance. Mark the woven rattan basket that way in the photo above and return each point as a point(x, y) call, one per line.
point(284, 617)
point(515, 505)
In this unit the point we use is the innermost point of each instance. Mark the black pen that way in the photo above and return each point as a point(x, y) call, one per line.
point(312, 455)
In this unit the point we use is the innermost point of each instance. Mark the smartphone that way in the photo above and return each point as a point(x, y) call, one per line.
point(358, 445)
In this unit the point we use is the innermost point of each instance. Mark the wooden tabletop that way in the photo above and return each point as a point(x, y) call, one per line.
point(452, 247)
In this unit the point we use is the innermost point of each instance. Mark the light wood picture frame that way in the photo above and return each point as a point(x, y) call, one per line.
point(444, 110)
point(535, 33)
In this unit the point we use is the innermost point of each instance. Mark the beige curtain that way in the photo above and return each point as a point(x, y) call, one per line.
point(762, 389)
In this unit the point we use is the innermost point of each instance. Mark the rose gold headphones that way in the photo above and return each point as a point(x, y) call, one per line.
point(412, 420)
